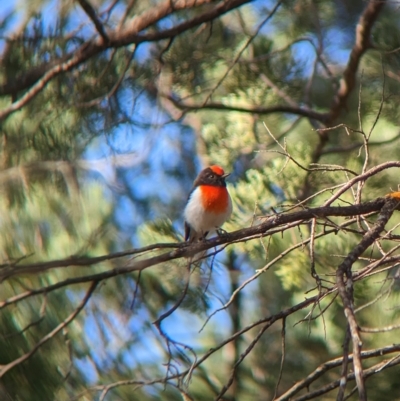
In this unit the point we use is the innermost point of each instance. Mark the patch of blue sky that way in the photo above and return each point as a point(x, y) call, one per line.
point(8, 7)
point(14, 16)
point(337, 41)
point(149, 352)
point(87, 369)
point(117, 9)
point(126, 139)
point(93, 338)
point(143, 52)
point(304, 56)
point(145, 344)
point(184, 327)
point(20, 8)
point(159, 146)
point(126, 215)
point(131, 340)
point(50, 16)
point(262, 8)
point(337, 44)
point(106, 341)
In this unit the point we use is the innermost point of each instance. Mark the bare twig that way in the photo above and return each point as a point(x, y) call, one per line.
point(90, 11)
point(345, 365)
point(323, 368)
point(344, 282)
point(283, 336)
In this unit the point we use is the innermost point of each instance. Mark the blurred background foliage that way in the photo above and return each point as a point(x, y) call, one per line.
point(102, 160)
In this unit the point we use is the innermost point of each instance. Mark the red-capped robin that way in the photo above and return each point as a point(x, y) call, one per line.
point(209, 204)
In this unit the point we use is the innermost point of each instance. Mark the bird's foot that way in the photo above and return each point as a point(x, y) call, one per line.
point(221, 232)
point(204, 237)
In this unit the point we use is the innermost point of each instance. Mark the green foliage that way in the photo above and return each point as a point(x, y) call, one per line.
point(125, 99)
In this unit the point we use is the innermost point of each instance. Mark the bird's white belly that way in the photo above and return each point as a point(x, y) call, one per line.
point(199, 219)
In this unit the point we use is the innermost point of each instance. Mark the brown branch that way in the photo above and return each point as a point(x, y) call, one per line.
point(357, 145)
point(344, 282)
point(379, 329)
point(40, 84)
point(305, 112)
point(242, 357)
point(322, 369)
point(5, 368)
point(182, 250)
point(37, 78)
point(347, 83)
point(90, 11)
point(367, 174)
point(345, 365)
point(187, 250)
point(331, 386)
point(283, 346)
point(11, 269)
point(130, 33)
point(263, 269)
point(361, 45)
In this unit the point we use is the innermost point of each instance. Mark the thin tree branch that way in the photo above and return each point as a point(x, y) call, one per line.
point(37, 78)
point(345, 365)
point(361, 44)
point(347, 83)
point(305, 112)
point(334, 363)
point(90, 11)
point(331, 386)
point(182, 250)
point(344, 282)
point(267, 321)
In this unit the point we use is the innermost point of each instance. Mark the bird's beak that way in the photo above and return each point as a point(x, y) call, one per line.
point(226, 175)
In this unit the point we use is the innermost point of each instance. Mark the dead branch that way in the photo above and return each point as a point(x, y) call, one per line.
point(344, 282)
point(334, 363)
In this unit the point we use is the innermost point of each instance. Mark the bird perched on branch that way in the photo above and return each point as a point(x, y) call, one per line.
point(209, 204)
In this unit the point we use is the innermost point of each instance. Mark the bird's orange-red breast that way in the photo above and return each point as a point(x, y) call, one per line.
point(209, 204)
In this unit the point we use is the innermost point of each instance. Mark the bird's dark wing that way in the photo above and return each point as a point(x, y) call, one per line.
point(187, 231)
point(187, 226)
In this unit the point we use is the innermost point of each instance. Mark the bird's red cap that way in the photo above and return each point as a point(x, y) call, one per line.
point(217, 170)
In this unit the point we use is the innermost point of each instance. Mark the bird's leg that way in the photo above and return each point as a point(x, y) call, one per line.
point(204, 237)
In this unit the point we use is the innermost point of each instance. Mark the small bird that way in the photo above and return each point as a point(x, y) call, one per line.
point(209, 204)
